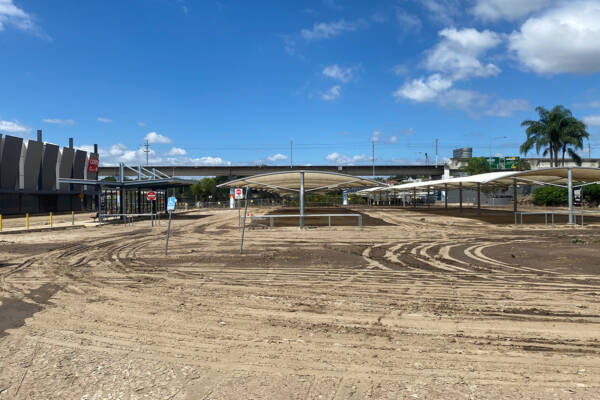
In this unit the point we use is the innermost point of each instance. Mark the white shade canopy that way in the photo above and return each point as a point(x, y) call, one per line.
point(557, 176)
point(314, 181)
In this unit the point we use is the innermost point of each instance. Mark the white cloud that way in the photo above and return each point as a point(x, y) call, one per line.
point(337, 158)
point(13, 126)
point(104, 120)
point(332, 93)
point(209, 161)
point(458, 52)
point(421, 90)
point(400, 69)
point(408, 132)
point(506, 108)
point(176, 151)
point(339, 73)
point(408, 22)
point(493, 10)
point(466, 100)
point(326, 30)
point(592, 120)
point(58, 121)
point(376, 136)
point(13, 15)
point(277, 157)
point(154, 137)
point(442, 11)
point(563, 39)
point(141, 124)
point(393, 139)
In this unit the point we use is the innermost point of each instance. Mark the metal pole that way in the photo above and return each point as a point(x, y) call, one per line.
point(478, 198)
point(460, 197)
point(244, 222)
point(301, 199)
point(291, 154)
point(570, 188)
point(373, 155)
point(168, 233)
point(445, 195)
point(515, 200)
point(415, 198)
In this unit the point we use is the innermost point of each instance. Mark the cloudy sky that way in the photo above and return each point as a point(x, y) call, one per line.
point(232, 82)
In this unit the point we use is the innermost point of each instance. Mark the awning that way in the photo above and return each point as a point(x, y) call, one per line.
point(557, 176)
point(290, 181)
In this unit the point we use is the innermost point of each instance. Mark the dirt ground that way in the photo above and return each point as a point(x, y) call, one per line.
point(417, 304)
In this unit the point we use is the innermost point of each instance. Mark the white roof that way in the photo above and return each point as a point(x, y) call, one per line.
point(289, 181)
point(544, 176)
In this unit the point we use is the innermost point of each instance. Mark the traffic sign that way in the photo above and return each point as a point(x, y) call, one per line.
point(511, 162)
point(494, 162)
point(239, 194)
point(171, 203)
point(151, 196)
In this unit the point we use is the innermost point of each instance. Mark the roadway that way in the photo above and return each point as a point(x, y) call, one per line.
point(356, 170)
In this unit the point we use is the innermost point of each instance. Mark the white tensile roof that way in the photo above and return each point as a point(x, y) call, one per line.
point(289, 181)
point(557, 176)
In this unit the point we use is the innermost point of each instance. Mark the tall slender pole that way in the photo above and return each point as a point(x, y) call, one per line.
point(478, 198)
point(291, 154)
point(515, 200)
point(570, 188)
point(373, 155)
point(244, 222)
point(301, 199)
point(436, 152)
point(445, 195)
point(460, 193)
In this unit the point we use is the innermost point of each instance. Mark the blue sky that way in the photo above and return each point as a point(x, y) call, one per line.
point(218, 82)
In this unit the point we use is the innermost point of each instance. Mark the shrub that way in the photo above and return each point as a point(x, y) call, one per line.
point(591, 194)
point(550, 196)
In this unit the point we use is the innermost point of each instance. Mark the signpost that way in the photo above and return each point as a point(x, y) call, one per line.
point(171, 204)
point(239, 194)
point(494, 162)
point(511, 162)
point(151, 196)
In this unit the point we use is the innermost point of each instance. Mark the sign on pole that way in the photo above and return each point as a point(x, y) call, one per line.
point(511, 162)
point(494, 162)
point(151, 196)
point(239, 194)
point(171, 203)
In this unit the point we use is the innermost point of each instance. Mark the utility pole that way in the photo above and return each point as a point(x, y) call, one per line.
point(426, 160)
point(373, 155)
point(589, 150)
point(291, 154)
point(147, 150)
point(436, 152)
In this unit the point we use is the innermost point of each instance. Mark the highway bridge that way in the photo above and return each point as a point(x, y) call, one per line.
point(356, 170)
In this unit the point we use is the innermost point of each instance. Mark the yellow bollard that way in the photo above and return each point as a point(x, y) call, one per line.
point(50, 219)
point(27, 221)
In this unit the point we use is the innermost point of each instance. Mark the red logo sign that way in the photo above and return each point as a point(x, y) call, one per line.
point(151, 196)
point(93, 165)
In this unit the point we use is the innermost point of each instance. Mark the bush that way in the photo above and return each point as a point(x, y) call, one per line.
point(550, 196)
point(591, 194)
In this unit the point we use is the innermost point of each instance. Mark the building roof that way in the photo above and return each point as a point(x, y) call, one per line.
point(289, 181)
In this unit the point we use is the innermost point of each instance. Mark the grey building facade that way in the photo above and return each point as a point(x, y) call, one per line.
point(29, 173)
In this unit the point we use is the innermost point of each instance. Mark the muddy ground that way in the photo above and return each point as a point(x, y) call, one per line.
point(417, 304)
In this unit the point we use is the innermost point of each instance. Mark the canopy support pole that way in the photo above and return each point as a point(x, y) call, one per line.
point(244, 222)
point(570, 189)
point(478, 198)
point(515, 200)
point(445, 195)
point(301, 199)
point(427, 200)
point(460, 197)
point(415, 198)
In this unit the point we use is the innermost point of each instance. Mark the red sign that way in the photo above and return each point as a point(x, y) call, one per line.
point(151, 196)
point(239, 193)
point(93, 165)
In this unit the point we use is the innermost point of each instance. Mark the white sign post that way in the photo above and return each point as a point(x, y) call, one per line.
point(239, 194)
point(171, 204)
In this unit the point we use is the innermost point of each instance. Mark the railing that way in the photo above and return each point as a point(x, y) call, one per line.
point(271, 218)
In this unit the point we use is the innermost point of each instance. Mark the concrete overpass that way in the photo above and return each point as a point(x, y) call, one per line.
point(357, 170)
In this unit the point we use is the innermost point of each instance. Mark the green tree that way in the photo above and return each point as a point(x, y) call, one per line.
point(550, 196)
point(477, 165)
point(556, 131)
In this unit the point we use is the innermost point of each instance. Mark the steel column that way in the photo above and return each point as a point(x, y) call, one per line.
point(515, 200)
point(570, 189)
point(445, 195)
point(478, 198)
point(301, 199)
point(460, 197)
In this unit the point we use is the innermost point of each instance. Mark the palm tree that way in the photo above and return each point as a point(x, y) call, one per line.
point(556, 131)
